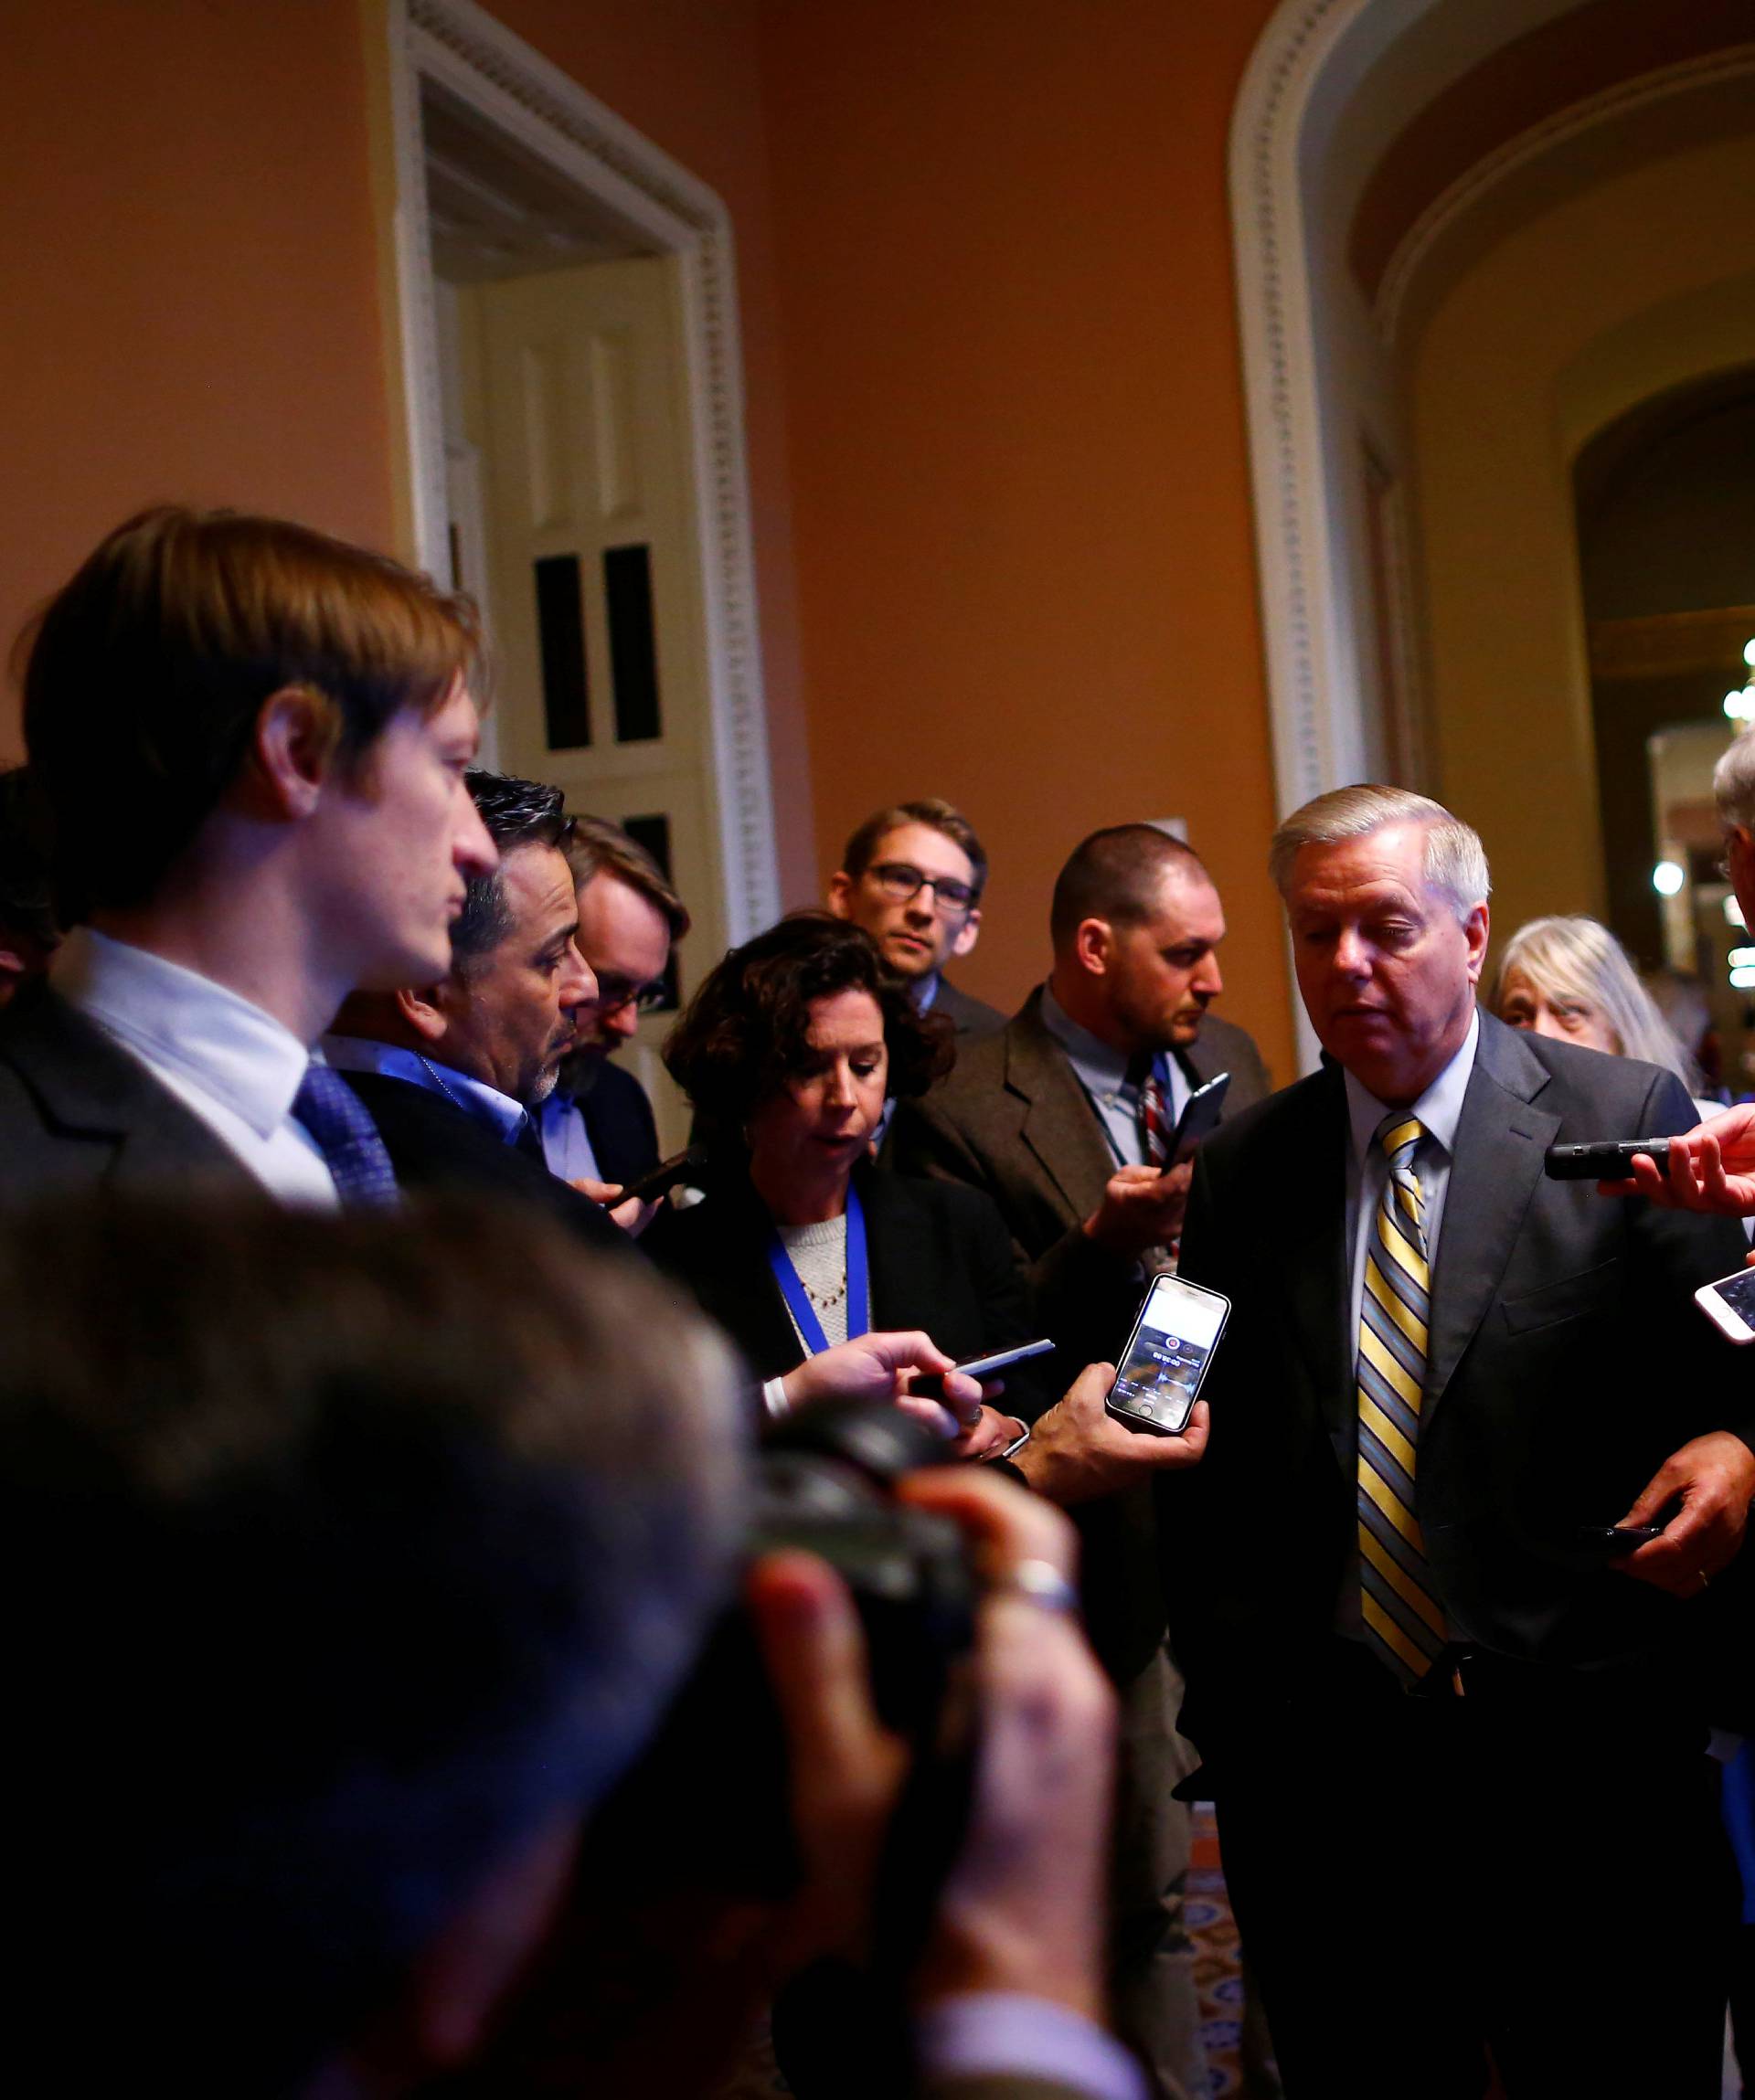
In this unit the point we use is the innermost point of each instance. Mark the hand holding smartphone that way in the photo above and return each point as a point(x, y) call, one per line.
point(1168, 1355)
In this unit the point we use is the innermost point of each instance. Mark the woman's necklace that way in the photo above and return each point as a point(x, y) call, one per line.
point(826, 1300)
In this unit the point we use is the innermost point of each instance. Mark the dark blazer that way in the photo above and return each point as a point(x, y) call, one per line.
point(1567, 1363)
point(1012, 1120)
point(76, 1111)
point(619, 1123)
point(434, 1144)
point(967, 1015)
point(940, 1259)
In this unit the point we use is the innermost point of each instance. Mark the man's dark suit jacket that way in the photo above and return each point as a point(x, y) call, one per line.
point(1012, 1120)
point(939, 1260)
point(78, 1112)
point(967, 1015)
point(434, 1144)
point(1567, 1363)
point(619, 1123)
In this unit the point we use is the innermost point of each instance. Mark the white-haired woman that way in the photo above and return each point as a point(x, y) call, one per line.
point(1570, 978)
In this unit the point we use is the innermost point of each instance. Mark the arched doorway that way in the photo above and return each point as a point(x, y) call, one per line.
point(1468, 236)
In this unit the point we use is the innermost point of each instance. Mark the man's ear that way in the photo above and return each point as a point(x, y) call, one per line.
point(841, 894)
point(428, 1010)
point(443, 2013)
point(970, 933)
point(294, 751)
point(1091, 945)
point(1474, 931)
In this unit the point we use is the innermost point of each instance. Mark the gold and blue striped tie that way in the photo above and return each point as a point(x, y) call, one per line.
point(1404, 1622)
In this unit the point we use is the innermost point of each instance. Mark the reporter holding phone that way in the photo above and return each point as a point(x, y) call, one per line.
point(787, 1052)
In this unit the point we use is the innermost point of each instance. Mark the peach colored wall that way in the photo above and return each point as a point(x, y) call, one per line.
point(189, 275)
point(1019, 470)
point(186, 277)
point(994, 404)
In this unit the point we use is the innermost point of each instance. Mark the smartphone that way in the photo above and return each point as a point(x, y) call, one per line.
point(1199, 1119)
point(650, 1187)
point(930, 1384)
point(1611, 1160)
point(1617, 1539)
point(1166, 1356)
point(1729, 1304)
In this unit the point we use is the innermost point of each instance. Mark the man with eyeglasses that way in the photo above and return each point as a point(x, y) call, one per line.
point(913, 875)
point(597, 1126)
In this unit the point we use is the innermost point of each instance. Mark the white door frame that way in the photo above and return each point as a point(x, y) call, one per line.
point(456, 44)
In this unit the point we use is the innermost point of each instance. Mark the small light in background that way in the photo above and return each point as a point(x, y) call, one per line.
point(1749, 651)
point(1667, 878)
point(1742, 959)
point(1734, 912)
point(1743, 979)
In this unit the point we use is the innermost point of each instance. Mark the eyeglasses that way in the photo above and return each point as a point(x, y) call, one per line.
point(898, 882)
point(613, 993)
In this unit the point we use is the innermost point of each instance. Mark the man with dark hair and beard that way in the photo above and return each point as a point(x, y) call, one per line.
point(453, 1072)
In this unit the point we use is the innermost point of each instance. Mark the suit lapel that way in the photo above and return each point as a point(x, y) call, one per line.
point(1309, 1233)
point(94, 1090)
point(1500, 1139)
point(1059, 1126)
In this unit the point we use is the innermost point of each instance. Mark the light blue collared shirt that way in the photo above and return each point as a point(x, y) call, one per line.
point(1101, 1071)
point(486, 1103)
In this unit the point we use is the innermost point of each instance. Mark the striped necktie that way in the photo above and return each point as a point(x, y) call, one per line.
point(1404, 1622)
point(1153, 1117)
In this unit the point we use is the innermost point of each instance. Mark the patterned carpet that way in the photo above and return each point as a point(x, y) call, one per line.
point(1236, 2062)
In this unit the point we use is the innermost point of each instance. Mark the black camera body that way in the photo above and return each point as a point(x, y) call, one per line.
point(706, 1806)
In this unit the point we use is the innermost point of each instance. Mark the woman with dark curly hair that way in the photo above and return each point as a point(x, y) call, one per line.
point(788, 1052)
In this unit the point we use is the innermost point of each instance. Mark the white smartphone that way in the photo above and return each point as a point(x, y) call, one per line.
point(930, 1384)
point(1729, 1304)
point(1166, 1356)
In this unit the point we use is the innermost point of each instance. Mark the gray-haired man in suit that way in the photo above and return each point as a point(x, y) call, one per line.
point(1060, 1118)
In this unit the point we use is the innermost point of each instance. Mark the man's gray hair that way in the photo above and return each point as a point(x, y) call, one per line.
point(1733, 783)
point(1456, 862)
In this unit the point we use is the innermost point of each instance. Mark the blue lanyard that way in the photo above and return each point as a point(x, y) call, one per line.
point(798, 1301)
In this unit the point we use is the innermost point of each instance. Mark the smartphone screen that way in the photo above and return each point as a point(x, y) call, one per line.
point(1167, 1356)
point(1735, 1303)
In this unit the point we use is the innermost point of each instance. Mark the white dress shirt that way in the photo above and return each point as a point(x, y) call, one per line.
point(226, 1060)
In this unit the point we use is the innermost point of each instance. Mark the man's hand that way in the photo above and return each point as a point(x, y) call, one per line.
point(1711, 1167)
point(1713, 1478)
point(877, 1367)
point(1077, 1450)
point(988, 1435)
point(631, 1216)
point(1142, 1208)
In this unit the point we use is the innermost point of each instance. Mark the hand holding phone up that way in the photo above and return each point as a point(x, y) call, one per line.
point(1142, 1208)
